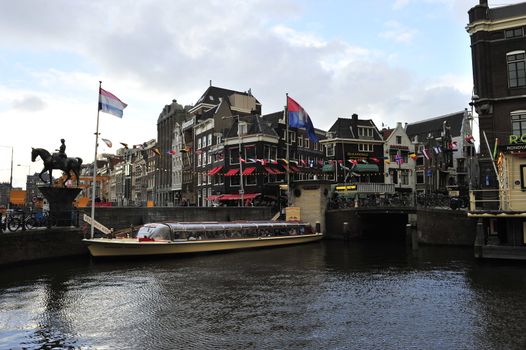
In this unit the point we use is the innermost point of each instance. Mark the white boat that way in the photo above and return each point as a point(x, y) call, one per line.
point(196, 237)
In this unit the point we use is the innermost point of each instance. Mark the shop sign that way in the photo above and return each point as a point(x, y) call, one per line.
point(346, 188)
point(515, 147)
point(515, 139)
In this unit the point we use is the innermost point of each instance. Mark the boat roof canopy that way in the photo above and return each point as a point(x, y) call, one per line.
point(234, 225)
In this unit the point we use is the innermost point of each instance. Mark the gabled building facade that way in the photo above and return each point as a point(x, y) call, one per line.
point(172, 115)
point(354, 151)
point(399, 159)
point(445, 152)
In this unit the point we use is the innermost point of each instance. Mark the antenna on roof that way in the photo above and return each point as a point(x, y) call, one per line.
point(210, 82)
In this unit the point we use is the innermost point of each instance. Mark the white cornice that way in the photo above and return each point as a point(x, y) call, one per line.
point(336, 140)
point(490, 26)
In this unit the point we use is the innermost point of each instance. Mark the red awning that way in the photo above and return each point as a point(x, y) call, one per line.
point(232, 172)
point(213, 198)
point(269, 170)
point(215, 170)
point(249, 171)
point(230, 197)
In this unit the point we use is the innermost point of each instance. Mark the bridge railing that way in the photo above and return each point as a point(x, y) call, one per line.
point(372, 200)
point(497, 199)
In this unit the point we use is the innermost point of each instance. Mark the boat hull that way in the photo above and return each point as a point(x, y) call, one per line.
point(103, 247)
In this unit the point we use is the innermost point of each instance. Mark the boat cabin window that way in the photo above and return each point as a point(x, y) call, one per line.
point(158, 232)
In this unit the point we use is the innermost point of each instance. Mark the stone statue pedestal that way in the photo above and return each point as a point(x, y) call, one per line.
point(60, 199)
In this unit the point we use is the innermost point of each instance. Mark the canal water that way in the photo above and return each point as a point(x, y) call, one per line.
point(331, 295)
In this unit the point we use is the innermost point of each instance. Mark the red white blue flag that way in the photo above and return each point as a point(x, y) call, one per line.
point(299, 118)
point(110, 103)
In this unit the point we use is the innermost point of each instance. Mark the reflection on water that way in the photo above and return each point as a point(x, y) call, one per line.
point(328, 295)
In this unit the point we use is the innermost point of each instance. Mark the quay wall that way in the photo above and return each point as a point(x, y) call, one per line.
point(434, 226)
point(24, 246)
point(445, 227)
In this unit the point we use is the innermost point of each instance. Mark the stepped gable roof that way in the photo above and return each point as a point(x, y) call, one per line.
point(508, 11)
point(214, 94)
point(435, 126)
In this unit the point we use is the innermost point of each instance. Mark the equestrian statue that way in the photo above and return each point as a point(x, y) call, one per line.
point(57, 161)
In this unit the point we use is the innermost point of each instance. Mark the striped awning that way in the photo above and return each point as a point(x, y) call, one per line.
point(232, 172)
point(249, 171)
point(215, 170)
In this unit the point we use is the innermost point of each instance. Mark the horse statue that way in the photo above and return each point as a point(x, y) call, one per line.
point(56, 161)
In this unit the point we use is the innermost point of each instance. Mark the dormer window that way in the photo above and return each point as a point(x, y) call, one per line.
point(365, 132)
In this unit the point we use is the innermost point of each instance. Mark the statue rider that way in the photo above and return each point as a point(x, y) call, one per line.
point(62, 151)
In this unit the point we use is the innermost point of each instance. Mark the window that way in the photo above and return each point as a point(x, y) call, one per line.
point(234, 180)
point(365, 132)
point(518, 123)
point(219, 138)
point(250, 180)
point(292, 137)
point(307, 143)
point(250, 152)
point(419, 177)
point(198, 143)
point(300, 141)
point(420, 160)
point(234, 156)
point(404, 177)
point(365, 147)
point(516, 69)
point(513, 33)
point(330, 150)
point(399, 140)
point(209, 139)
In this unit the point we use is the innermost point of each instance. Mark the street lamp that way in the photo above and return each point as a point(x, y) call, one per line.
point(240, 131)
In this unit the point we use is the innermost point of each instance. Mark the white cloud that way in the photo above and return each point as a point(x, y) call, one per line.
point(398, 32)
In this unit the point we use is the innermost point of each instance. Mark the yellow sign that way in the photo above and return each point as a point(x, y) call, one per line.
point(346, 188)
point(17, 197)
point(292, 214)
point(150, 204)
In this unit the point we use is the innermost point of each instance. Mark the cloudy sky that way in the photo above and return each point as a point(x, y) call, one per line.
point(401, 60)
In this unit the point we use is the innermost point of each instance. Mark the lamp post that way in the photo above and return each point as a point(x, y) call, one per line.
point(239, 131)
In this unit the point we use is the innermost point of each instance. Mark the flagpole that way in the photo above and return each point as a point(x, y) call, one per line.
point(94, 181)
point(287, 145)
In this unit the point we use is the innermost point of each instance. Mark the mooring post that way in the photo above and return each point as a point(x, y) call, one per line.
point(479, 239)
point(346, 232)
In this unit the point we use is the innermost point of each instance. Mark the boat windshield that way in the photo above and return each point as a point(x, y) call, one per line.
point(155, 231)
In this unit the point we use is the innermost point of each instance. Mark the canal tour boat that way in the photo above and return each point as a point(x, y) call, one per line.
point(196, 237)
